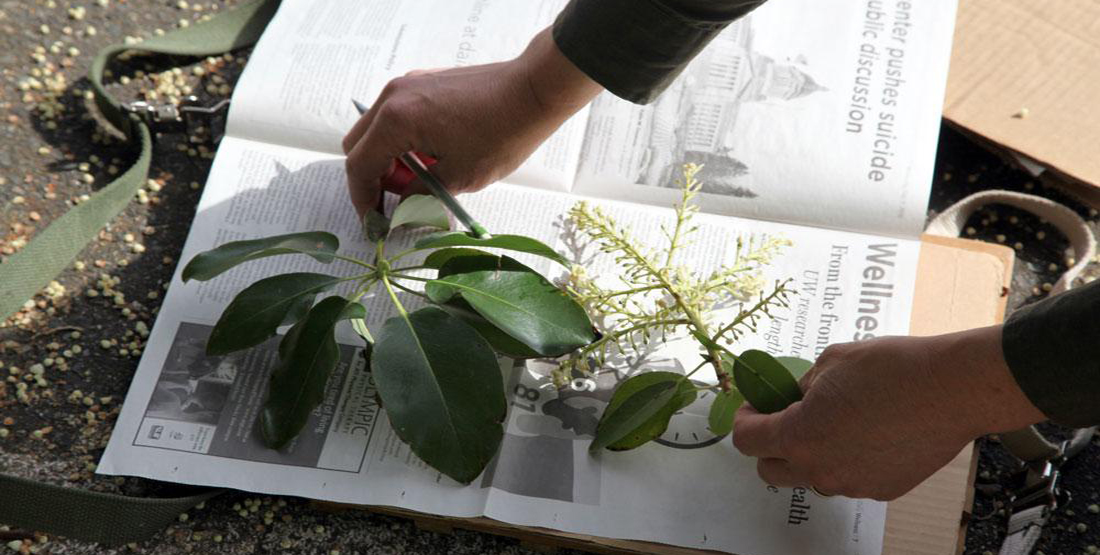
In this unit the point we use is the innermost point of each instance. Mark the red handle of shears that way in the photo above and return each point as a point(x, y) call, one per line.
point(401, 175)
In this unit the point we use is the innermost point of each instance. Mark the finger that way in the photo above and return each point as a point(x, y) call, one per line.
point(778, 472)
point(415, 72)
point(368, 163)
point(756, 434)
point(360, 128)
point(808, 379)
point(366, 120)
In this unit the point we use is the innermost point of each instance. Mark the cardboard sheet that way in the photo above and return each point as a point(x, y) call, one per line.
point(1043, 56)
point(961, 284)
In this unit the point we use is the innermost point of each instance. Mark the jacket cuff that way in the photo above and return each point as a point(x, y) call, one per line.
point(636, 48)
point(1053, 350)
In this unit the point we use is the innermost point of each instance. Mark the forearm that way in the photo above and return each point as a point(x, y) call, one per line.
point(635, 48)
point(975, 385)
point(555, 82)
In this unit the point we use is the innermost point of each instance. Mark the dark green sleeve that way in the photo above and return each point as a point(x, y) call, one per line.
point(1053, 350)
point(635, 48)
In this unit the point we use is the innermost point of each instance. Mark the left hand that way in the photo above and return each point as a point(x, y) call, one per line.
point(880, 416)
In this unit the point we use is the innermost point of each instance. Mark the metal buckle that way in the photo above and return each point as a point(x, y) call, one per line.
point(189, 117)
point(1039, 484)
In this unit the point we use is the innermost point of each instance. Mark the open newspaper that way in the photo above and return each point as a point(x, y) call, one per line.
point(816, 120)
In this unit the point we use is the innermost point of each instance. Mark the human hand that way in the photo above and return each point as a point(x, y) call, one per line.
point(480, 122)
point(880, 416)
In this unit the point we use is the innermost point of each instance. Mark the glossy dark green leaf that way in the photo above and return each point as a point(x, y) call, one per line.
point(501, 342)
point(509, 242)
point(298, 310)
point(796, 366)
point(420, 211)
point(308, 355)
point(376, 226)
point(722, 411)
point(319, 245)
point(640, 409)
point(440, 257)
point(516, 299)
point(255, 313)
point(766, 384)
point(442, 388)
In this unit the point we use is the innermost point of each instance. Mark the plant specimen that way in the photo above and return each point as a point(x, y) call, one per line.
point(659, 296)
point(436, 368)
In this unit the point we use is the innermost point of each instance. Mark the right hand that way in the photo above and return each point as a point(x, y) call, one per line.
point(480, 122)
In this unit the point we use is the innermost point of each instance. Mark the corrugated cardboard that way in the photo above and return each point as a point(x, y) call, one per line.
point(1012, 55)
point(961, 284)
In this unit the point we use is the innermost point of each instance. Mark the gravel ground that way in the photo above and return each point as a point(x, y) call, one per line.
point(77, 346)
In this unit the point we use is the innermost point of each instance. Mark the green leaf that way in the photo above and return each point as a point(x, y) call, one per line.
point(376, 226)
point(501, 342)
point(508, 242)
point(640, 409)
point(796, 366)
point(359, 325)
point(707, 342)
point(298, 310)
point(766, 384)
point(440, 257)
point(722, 411)
point(442, 388)
point(255, 313)
point(307, 356)
point(319, 245)
point(516, 299)
point(420, 211)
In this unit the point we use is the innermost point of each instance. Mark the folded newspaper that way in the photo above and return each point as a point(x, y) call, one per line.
point(815, 120)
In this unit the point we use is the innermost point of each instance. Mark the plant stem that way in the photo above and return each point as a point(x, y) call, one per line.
point(615, 336)
point(404, 276)
point(410, 291)
point(403, 254)
point(746, 313)
point(393, 297)
point(697, 368)
point(683, 215)
point(354, 261)
point(407, 268)
point(367, 284)
point(629, 292)
point(379, 250)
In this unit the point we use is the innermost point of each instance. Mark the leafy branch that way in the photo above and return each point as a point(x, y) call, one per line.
point(657, 296)
point(435, 368)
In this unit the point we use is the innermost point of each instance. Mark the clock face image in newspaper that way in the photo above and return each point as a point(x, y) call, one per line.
point(550, 428)
point(573, 411)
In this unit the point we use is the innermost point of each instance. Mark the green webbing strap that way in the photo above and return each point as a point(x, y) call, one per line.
point(74, 513)
point(25, 273)
point(87, 515)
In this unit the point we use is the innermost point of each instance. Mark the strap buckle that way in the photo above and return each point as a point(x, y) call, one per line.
point(1039, 484)
point(190, 116)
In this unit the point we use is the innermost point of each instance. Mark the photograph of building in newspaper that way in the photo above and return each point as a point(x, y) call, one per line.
point(694, 121)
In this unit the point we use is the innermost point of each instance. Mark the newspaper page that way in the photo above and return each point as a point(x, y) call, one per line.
point(814, 112)
point(192, 419)
point(317, 55)
point(818, 112)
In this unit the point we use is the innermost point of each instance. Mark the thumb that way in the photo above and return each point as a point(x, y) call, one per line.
point(758, 435)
